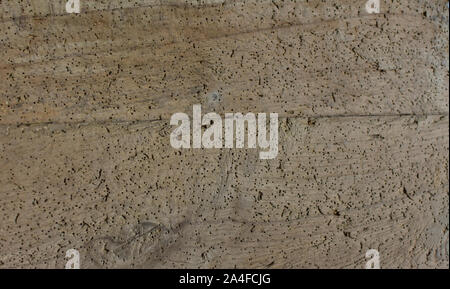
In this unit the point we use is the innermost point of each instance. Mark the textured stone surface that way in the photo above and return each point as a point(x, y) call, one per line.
point(86, 163)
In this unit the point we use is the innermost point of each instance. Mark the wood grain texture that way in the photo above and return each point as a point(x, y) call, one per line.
point(85, 103)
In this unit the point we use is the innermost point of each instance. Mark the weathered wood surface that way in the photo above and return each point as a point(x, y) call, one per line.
point(85, 102)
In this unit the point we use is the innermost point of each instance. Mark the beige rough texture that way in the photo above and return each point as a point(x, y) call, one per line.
point(86, 163)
